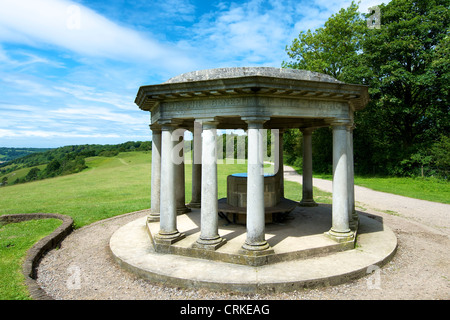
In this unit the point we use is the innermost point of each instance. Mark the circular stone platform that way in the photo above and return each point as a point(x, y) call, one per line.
point(308, 256)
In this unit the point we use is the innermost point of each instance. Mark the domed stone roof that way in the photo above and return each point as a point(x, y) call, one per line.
point(238, 72)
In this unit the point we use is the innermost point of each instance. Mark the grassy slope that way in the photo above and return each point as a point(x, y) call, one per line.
point(20, 173)
point(109, 187)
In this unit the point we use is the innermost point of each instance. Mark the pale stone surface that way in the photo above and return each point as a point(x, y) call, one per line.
point(340, 226)
point(226, 73)
point(378, 244)
point(209, 236)
point(168, 216)
point(156, 174)
point(237, 190)
point(255, 190)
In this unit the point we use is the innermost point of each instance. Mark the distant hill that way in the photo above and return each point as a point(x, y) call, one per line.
point(8, 154)
point(59, 161)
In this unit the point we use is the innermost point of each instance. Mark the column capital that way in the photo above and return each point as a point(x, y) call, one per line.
point(166, 124)
point(341, 122)
point(155, 127)
point(208, 123)
point(255, 122)
point(307, 130)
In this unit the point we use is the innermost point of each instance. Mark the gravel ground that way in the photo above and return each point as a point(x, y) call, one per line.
point(84, 269)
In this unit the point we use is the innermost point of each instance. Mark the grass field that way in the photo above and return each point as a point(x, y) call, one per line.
point(431, 189)
point(110, 186)
point(19, 174)
point(15, 240)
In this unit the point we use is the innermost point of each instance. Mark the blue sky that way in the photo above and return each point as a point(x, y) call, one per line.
point(70, 70)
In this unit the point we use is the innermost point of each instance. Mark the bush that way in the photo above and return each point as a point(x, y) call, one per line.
point(108, 153)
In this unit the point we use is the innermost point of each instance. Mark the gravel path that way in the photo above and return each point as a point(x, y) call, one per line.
point(84, 269)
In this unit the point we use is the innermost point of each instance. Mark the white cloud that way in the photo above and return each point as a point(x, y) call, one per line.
point(254, 32)
point(77, 28)
point(93, 113)
point(93, 94)
point(29, 87)
point(6, 133)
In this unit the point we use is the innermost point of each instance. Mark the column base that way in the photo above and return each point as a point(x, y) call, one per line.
point(346, 236)
point(152, 217)
point(209, 244)
point(194, 205)
point(308, 203)
point(354, 223)
point(168, 238)
point(256, 249)
point(183, 210)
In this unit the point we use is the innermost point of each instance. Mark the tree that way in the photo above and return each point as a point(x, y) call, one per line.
point(408, 62)
point(333, 49)
point(405, 63)
point(32, 174)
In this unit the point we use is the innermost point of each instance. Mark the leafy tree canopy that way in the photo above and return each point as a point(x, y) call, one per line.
point(405, 62)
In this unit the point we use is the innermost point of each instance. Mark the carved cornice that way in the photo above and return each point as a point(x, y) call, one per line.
point(150, 96)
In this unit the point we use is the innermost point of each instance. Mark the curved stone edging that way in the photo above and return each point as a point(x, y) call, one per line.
point(40, 248)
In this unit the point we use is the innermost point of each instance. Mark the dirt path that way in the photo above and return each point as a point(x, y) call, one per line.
point(83, 268)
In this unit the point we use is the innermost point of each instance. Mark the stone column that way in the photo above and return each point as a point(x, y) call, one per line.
point(255, 242)
point(168, 232)
point(279, 160)
point(352, 214)
point(179, 173)
point(196, 166)
point(209, 221)
point(156, 173)
point(340, 230)
point(307, 182)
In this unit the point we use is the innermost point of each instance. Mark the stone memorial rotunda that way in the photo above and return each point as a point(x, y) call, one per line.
point(255, 239)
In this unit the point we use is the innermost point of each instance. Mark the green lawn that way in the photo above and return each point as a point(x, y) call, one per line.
point(15, 240)
point(431, 189)
point(109, 187)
